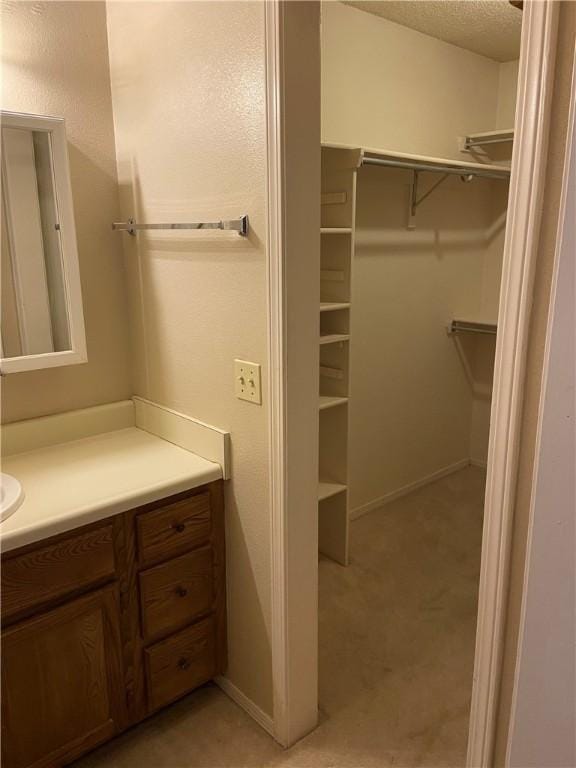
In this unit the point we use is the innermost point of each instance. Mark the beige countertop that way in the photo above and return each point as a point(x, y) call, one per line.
point(79, 482)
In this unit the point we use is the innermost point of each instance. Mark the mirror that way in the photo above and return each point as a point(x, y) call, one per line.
point(42, 321)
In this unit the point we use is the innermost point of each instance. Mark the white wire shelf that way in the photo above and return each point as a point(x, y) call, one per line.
point(503, 136)
point(371, 155)
point(472, 326)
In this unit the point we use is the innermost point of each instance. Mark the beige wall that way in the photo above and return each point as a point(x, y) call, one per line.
point(188, 84)
point(533, 381)
point(388, 86)
point(507, 84)
point(485, 346)
point(55, 62)
point(420, 399)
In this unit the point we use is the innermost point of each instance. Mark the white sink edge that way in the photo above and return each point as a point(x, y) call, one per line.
point(11, 496)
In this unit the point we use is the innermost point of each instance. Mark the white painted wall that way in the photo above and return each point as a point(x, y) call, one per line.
point(420, 399)
point(387, 86)
point(485, 346)
point(54, 61)
point(297, 182)
point(507, 84)
point(543, 722)
point(188, 86)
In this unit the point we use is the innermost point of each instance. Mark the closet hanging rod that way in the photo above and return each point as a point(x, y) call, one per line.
point(503, 136)
point(469, 326)
point(240, 225)
point(458, 170)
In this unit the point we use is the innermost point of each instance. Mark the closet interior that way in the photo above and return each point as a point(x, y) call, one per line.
point(413, 213)
point(417, 138)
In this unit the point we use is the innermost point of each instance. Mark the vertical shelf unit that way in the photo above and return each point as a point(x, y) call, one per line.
point(338, 210)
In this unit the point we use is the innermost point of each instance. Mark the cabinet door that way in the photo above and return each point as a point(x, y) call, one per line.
point(62, 687)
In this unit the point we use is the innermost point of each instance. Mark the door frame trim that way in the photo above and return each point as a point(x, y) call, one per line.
point(293, 287)
point(535, 84)
point(563, 251)
point(276, 377)
point(294, 656)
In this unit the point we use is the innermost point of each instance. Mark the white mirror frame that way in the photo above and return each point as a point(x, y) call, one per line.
point(56, 128)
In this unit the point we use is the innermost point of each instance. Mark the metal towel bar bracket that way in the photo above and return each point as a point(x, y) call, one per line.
point(240, 225)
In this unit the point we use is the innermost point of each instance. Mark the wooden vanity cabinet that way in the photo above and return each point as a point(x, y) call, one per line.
point(106, 624)
point(61, 681)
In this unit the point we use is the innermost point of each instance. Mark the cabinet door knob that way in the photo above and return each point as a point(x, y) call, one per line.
point(181, 591)
point(179, 527)
point(183, 663)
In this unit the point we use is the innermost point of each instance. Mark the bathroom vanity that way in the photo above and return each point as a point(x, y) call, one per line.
point(111, 517)
point(108, 623)
point(112, 575)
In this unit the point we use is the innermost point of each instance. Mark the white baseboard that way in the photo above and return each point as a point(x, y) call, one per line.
point(263, 720)
point(406, 489)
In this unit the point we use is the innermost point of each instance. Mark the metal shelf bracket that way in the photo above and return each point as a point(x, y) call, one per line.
point(415, 201)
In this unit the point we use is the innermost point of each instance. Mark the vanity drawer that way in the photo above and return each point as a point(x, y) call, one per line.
point(175, 593)
point(171, 530)
point(68, 565)
point(180, 663)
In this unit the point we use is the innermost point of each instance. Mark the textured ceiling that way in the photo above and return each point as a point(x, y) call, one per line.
point(489, 27)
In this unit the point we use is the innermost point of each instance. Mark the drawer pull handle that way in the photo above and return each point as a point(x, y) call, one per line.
point(179, 527)
point(183, 664)
point(181, 591)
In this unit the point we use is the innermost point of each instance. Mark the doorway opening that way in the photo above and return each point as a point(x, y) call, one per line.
point(417, 137)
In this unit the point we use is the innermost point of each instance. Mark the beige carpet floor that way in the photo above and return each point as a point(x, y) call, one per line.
point(396, 654)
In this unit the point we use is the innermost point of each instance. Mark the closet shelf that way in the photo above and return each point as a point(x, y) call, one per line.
point(331, 373)
point(327, 401)
point(334, 338)
point(488, 137)
point(472, 326)
point(335, 230)
point(333, 306)
point(326, 489)
point(393, 159)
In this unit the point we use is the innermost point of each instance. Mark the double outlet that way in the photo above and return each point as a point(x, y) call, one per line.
point(248, 381)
